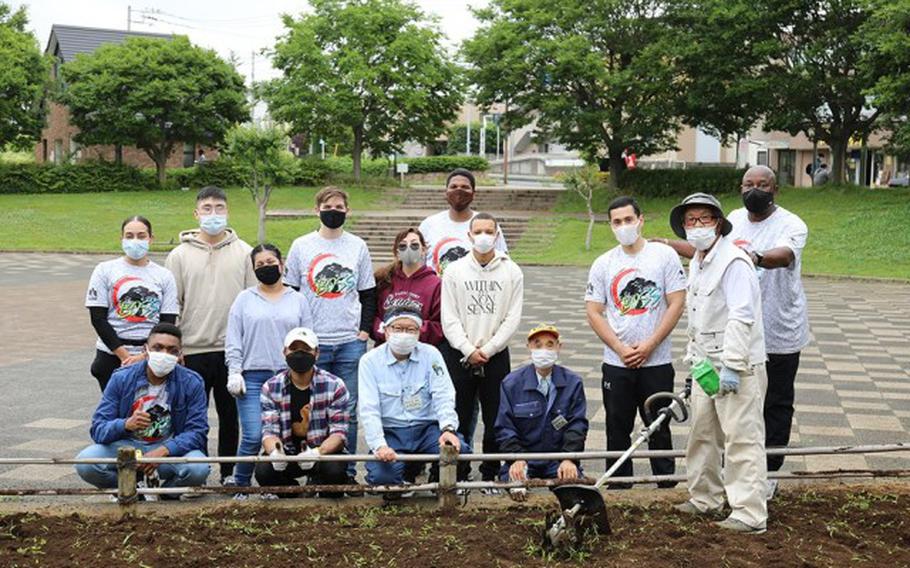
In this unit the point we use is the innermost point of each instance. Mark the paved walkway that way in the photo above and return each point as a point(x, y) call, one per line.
point(853, 384)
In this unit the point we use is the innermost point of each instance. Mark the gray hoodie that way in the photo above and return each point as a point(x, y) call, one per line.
point(208, 277)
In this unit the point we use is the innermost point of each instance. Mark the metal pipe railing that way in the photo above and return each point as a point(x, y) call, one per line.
point(446, 488)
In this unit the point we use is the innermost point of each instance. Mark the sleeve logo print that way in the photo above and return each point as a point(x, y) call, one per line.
point(637, 296)
point(134, 301)
point(330, 279)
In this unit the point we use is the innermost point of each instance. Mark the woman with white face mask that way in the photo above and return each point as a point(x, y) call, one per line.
point(126, 298)
point(408, 283)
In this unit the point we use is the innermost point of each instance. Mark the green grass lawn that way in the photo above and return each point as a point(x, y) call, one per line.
point(852, 231)
point(90, 222)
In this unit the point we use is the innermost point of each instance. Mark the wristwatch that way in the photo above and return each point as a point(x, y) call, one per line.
point(449, 428)
point(758, 258)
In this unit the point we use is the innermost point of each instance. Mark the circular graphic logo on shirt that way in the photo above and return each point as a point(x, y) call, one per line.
point(447, 251)
point(329, 278)
point(134, 301)
point(633, 295)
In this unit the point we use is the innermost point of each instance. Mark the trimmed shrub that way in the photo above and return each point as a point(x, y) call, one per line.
point(218, 172)
point(666, 183)
point(443, 164)
point(74, 178)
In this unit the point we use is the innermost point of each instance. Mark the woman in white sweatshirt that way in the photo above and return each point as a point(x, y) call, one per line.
point(482, 296)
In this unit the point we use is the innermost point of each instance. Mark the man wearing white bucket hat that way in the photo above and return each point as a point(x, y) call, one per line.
point(726, 343)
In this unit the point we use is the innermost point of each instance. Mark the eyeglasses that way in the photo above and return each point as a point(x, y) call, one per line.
point(703, 220)
point(403, 329)
point(404, 246)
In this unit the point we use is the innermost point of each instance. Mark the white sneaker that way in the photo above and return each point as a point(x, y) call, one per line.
point(241, 496)
point(770, 489)
point(491, 491)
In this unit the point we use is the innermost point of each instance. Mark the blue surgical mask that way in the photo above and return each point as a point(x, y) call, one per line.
point(136, 249)
point(213, 224)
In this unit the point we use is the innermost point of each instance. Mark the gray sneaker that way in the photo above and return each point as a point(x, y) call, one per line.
point(736, 525)
point(689, 508)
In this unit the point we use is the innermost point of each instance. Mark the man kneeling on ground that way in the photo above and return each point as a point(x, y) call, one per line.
point(304, 412)
point(541, 409)
point(156, 406)
point(407, 401)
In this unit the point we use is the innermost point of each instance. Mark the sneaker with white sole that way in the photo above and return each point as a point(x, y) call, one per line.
point(491, 491)
point(229, 481)
point(736, 525)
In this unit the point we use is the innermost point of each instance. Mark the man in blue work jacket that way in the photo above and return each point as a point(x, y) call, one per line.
point(406, 400)
point(542, 409)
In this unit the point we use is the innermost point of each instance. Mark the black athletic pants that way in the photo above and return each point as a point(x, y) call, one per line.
point(214, 372)
point(779, 403)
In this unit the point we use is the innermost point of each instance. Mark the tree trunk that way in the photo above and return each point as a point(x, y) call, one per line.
point(590, 232)
point(358, 150)
point(838, 157)
point(161, 166)
point(263, 204)
point(617, 165)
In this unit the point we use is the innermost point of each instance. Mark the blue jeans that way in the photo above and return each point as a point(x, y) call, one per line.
point(250, 412)
point(342, 361)
point(417, 439)
point(104, 476)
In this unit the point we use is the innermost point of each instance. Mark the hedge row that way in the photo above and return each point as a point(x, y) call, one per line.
point(74, 178)
point(102, 176)
point(666, 183)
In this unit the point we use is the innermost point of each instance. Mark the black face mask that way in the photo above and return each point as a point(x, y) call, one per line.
point(300, 361)
point(268, 274)
point(757, 201)
point(332, 218)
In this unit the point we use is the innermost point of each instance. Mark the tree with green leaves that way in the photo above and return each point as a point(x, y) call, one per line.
point(457, 138)
point(152, 93)
point(887, 33)
point(24, 76)
point(376, 68)
point(260, 157)
point(590, 72)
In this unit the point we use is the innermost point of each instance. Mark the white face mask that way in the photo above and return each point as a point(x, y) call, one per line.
point(701, 237)
point(627, 234)
point(402, 343)
point(162, 363)
point(484, 243)
point(543, 358)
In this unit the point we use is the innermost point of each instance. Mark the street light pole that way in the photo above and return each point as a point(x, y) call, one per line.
point(483, 136)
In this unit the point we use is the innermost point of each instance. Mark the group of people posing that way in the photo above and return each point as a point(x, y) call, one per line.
point(282, 342)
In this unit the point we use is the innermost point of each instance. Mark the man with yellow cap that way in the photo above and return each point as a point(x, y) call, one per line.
point(542, 408)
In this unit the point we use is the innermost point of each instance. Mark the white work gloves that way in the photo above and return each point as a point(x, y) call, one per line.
point(308, 465)
point(729, 381)
point(236, 385)
point(276, 453)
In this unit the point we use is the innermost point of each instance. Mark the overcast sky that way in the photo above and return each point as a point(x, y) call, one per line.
point(223, 25)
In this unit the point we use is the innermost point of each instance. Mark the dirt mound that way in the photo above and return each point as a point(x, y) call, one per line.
point(809, 527)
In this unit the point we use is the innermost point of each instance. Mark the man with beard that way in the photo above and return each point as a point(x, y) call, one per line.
point(446, 232)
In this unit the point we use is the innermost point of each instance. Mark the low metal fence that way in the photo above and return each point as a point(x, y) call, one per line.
point(447, 486)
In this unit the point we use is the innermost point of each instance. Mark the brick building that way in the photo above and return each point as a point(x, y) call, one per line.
point(57, 145)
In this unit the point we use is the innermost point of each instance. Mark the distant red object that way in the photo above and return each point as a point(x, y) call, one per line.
point(631, 160)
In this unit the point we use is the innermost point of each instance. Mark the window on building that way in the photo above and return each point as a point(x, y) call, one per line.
point(762, 158)
point(44, 149)
point(57, 158)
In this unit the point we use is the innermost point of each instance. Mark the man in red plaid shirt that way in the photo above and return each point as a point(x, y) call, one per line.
point(305, 412)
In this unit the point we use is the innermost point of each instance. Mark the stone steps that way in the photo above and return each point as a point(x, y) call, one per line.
point(486, 199)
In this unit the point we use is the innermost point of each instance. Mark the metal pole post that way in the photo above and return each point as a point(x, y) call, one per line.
point(126, 479)
point(448, 476)
point(129, 17)
point(483, 137)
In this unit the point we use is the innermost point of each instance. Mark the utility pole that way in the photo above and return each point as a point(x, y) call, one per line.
point(129, 17)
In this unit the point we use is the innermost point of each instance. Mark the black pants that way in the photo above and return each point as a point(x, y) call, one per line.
point(323, 473)
point(624, 393)
point(103, 367)
point(212, 368)
point(779, 403)
point(470, 385)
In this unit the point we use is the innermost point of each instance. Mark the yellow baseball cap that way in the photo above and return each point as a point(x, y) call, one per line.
point(543, 328)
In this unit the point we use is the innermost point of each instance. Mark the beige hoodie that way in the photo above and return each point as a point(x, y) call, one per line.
point(208, 278)
point(481, 305)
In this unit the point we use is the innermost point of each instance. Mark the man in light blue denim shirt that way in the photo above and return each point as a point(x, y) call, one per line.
point(407, 401)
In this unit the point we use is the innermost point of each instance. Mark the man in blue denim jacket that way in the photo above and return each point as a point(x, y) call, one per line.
point(156, 406)
point(542, 409)
point(407, 401)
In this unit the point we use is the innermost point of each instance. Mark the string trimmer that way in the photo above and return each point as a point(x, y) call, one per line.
point(583, 506)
